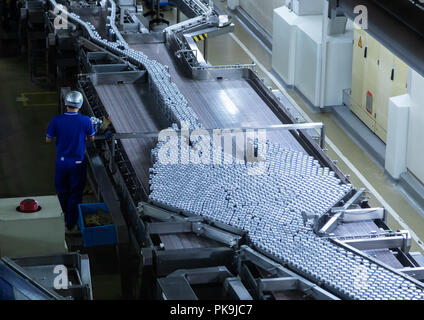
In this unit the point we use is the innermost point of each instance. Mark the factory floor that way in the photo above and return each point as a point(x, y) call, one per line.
point(27, 162)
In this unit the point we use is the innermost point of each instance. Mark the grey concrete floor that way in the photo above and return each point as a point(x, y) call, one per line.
point(26, 161)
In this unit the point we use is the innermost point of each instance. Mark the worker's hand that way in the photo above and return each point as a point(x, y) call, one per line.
point(48, 140)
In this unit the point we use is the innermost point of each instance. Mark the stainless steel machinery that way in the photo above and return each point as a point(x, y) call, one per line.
point(33, 278)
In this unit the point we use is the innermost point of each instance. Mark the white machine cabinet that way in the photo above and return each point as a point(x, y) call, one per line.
point(307, 7)
point(30, 234)
point(297, 56)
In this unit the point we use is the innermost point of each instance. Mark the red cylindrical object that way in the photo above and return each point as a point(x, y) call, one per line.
point(28, 206)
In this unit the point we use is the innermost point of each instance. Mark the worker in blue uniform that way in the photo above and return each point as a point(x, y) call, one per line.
point(71, 131)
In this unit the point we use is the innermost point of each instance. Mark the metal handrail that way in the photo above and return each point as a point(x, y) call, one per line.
point(141, 135)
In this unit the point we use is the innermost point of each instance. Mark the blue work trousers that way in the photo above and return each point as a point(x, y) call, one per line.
point(70, 179)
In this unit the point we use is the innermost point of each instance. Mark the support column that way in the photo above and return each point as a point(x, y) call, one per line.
point(397, 135)
point(205, 50)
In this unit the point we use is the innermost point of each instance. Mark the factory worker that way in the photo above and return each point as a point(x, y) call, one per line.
point(71, 130)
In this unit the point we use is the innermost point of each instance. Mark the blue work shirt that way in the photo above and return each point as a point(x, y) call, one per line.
point(70, 130)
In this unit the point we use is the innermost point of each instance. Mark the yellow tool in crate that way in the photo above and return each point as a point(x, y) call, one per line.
point(100, 218)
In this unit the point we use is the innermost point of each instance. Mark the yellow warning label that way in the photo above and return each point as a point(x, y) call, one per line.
point(360, 42)
point(200, 37)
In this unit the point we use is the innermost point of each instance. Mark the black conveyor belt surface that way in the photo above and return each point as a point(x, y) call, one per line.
point(128, 113)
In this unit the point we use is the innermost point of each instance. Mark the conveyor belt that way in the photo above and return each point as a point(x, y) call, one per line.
point(356, 228)
point(96, 16)
point(222, 103)
point(186, 240)
point(129, 113)
point(364, 228)
point(225, 103)
point(361, 228)
point(386, 256)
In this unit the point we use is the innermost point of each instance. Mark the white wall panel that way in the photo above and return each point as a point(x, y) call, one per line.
point(415, 155)
point(297, 54)
point(397, 135)
point(308, 57)
point(284, 44)
point(262, 11)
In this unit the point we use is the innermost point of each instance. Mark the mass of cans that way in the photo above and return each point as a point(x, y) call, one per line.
point(172, 103)
point(268, 205)
point(97, 124)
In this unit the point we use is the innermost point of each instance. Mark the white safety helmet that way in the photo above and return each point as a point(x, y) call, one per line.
point(74, 99)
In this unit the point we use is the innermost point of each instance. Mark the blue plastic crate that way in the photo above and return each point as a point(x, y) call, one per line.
point(164, 2)
point(95, 236)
